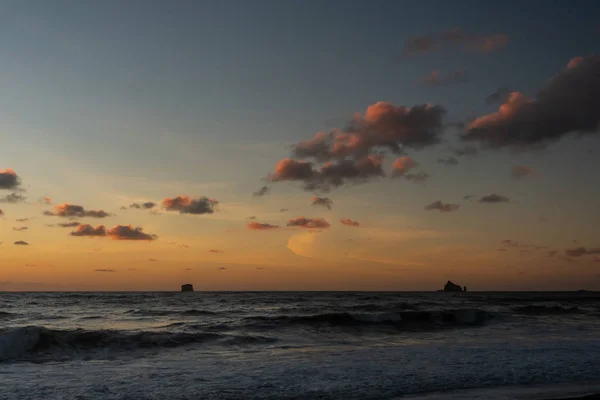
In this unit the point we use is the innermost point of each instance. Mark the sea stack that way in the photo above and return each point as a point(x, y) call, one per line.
point(188, 287)
point(452, 287)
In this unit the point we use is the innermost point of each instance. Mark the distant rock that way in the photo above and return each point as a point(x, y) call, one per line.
point(188, 287)
point(452, 287)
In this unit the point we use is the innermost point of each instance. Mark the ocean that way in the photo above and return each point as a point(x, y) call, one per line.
point(296, 345)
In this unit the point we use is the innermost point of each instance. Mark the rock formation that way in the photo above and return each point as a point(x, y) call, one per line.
point(452, 287)
point(188, 287)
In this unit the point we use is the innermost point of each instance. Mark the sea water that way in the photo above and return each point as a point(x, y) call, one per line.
point(293, 345)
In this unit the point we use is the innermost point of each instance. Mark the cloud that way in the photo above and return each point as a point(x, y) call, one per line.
point(482, 43)
point(187, 205)
point(46, 200)
point(494, 198)
point(88, 230)
point(71, 210)
point(9, 179)
point(352, 155)
point(501, 249)
point(568, 103)
point(419, 44)
point(148, 205)
point(183, 246)
point(447, 161)
point(521, 171)
point(257, 226)
point(20, 228)
point(251, 217)
point(382, 126)
point(552, 253)
point(215, 251)
point(499, 96)
point(69, 224)
point(24, 219)
point(322, 201)
point(21, 243)
point(402, 165)
point(222, 268)
point(349, 222)
point(465, 151)
point(262, 191)
point(469, 196)
point(442, 207)
point(417, 177)
point(128, 232)
point(15, 197)
point(436, 79)
point(152, 259)
point(331, 174)
point(309, 223)
point(119, 232)
point(105, 270)
point(581, 251)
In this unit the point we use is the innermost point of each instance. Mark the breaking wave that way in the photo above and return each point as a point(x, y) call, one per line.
point(30, 341)
point(409, 320)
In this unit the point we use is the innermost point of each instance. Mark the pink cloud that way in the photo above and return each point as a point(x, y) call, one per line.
point(257, 226)
point(311, 223)
point(349, 222)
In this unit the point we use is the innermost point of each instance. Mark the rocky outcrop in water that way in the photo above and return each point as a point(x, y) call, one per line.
point(452, 287)
point(188, 287)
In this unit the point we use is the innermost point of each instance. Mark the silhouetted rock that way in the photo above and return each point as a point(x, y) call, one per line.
point(188, 287)
point(452, 287)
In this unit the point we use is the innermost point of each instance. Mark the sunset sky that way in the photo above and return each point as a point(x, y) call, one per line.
point(364, 108)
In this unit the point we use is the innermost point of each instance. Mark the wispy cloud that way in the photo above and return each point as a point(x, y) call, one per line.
point(442, 207)
point(303, 222)
point(323, 202)
point(257, 226)
point(494, 198)
point(349, 222)
point(437, 79)
point(72, 210)
point(262, 191)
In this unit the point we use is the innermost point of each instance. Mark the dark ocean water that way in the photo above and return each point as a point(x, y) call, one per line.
point(266, 345)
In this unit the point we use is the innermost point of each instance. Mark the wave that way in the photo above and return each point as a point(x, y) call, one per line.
point(547, 310)
point(32, 341)
point(4, 314)
point(167, 313)
point(383, 307)
point(408, 320)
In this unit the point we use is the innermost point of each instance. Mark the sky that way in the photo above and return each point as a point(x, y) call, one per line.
point(312, 145)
